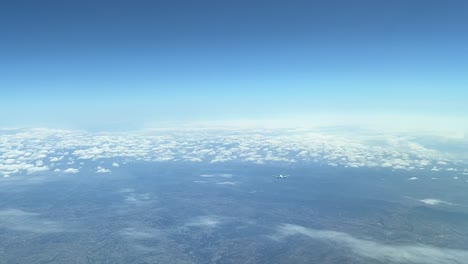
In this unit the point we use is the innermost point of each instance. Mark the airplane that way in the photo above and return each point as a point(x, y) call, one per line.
point(281, 176)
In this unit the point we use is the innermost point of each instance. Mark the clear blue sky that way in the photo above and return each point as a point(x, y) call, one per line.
point(126, 63)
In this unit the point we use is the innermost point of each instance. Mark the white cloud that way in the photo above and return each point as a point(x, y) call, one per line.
point(208, 175)
point(115, 164)
point(221, 175)
point(71, 171)
point(19, 220)
point(204, 221)
point(37, 169)
point(434, 202)
point(201, 182)
point(55, 159)
point(138, 199)
point(127, 190)
point(417, 254)
point(144, 239)
point(413, 178)
point(226, 183)
point(100, 169)
point(132, 198)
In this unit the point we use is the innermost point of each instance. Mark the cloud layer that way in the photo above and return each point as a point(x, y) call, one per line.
point(35, 151)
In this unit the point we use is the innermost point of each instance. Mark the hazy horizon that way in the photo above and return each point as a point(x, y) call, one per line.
point(98, 64)
point(240, 132)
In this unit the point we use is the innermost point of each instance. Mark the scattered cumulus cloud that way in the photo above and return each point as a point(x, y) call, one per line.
point(38, 150)
point(100, 169)
point(71, 171)
point(55, 159)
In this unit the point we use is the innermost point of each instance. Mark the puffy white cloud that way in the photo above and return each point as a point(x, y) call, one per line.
point(100, 169)
point(71, 170)
point(115, 164)
point(417, 254)
point(413, 178)
point(55, 159)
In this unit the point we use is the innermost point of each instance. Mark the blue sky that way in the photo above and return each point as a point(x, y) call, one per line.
point(123, 64)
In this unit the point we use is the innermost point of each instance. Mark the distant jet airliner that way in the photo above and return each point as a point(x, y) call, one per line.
point(281, 176)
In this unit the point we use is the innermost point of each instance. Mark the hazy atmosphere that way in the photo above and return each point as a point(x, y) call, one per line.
point(234, 132)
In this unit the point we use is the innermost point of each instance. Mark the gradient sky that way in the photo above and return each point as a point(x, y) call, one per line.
point(98, 64)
